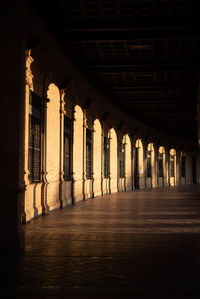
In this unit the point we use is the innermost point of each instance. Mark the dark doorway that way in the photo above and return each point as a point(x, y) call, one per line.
point(136, 169)
point(194, 176)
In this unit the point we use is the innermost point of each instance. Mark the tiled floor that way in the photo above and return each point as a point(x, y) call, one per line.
point(141, 244)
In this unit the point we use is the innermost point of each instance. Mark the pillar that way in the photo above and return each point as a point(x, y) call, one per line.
point(166, 167)
point(128, 164)
point(155, 179)
point(178, 167)
point(12, 107)
point(97, 157)
point(113, 161)
point(78, 155)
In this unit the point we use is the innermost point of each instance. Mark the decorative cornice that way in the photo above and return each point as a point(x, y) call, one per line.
point(29, 76)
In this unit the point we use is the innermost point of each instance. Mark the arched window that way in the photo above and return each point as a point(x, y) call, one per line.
point(161, 161)
point(67, 148)
point(171, 165)
point(106, 157)
point(149, 160)
point(122, 160)
point(34, 145)
point(148, 163)
point(138, 164)
point(88, 154)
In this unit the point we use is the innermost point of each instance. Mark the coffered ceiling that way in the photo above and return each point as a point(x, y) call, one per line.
point(143, 55)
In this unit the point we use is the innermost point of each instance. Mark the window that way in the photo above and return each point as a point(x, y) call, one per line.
point(34, 145)
point(122, 160)
point(106, 157)
point(88, 154)
point(171, 165)
point(148, 164)
point(183, 166)
point(160, 164)
point(67, 148)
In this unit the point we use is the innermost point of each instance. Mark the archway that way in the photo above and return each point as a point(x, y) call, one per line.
point(78, 154)
point(172, 167)
point(105, 163)
point(150, 166)
point(161, 166)
point(122, 164)
point(183, 168)
point(128, 162)
point(97, 158)
point(113, 160)
point(138, 164)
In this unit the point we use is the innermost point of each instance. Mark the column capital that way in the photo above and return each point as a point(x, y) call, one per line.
point(28, 62)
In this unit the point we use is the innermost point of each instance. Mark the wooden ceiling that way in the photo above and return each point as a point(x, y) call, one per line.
point(143, 55)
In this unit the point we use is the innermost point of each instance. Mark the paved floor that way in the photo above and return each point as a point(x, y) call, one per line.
point(142, 244)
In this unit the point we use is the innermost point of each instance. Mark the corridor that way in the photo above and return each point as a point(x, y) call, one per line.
point(141, 244)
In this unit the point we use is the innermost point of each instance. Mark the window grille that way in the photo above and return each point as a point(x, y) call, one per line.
point(148, 164)
point(171, 164)
point(106, 157)
point(34, 145)
point(67, 148)
point(160, 165)
point(88, 154)
point(183, 172)
point(122, 160)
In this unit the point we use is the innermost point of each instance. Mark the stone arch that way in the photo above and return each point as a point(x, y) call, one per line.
point(139, 164)
point(78, 155)
point(161, 166)
point(172, 167)
point(121, 163)
point(105, 174)
point(113, 160)
point(97, 147)
point(128, 162)
point(150, 166)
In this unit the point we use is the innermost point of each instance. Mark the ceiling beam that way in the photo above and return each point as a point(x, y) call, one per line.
point(170, 112)
point(159, 101)
point(127, 89)
point(159, 106)
point(117, 23)
point(134, 68)
point(130, 35)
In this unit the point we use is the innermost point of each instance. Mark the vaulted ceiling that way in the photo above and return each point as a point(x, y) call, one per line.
point(143, 55)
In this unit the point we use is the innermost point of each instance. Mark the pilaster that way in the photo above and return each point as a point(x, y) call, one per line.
point(28, 86)
point(155, 183)
point(84, 153)
point(166, 168)
point(45, 207)
point(145, 147)
point(61, 171)
point(178, 167)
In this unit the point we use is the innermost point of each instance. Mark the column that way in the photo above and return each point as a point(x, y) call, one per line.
point(78, 175)
point(178, 167)
point(166, 167)
point(97, 158)
point(155, 182)
point(84, 153)
point(45, 206)
point(145, 146)
point(12, 107)
point(61, 172)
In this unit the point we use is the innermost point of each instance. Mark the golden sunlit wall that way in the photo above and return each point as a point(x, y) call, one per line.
point(71, 156)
